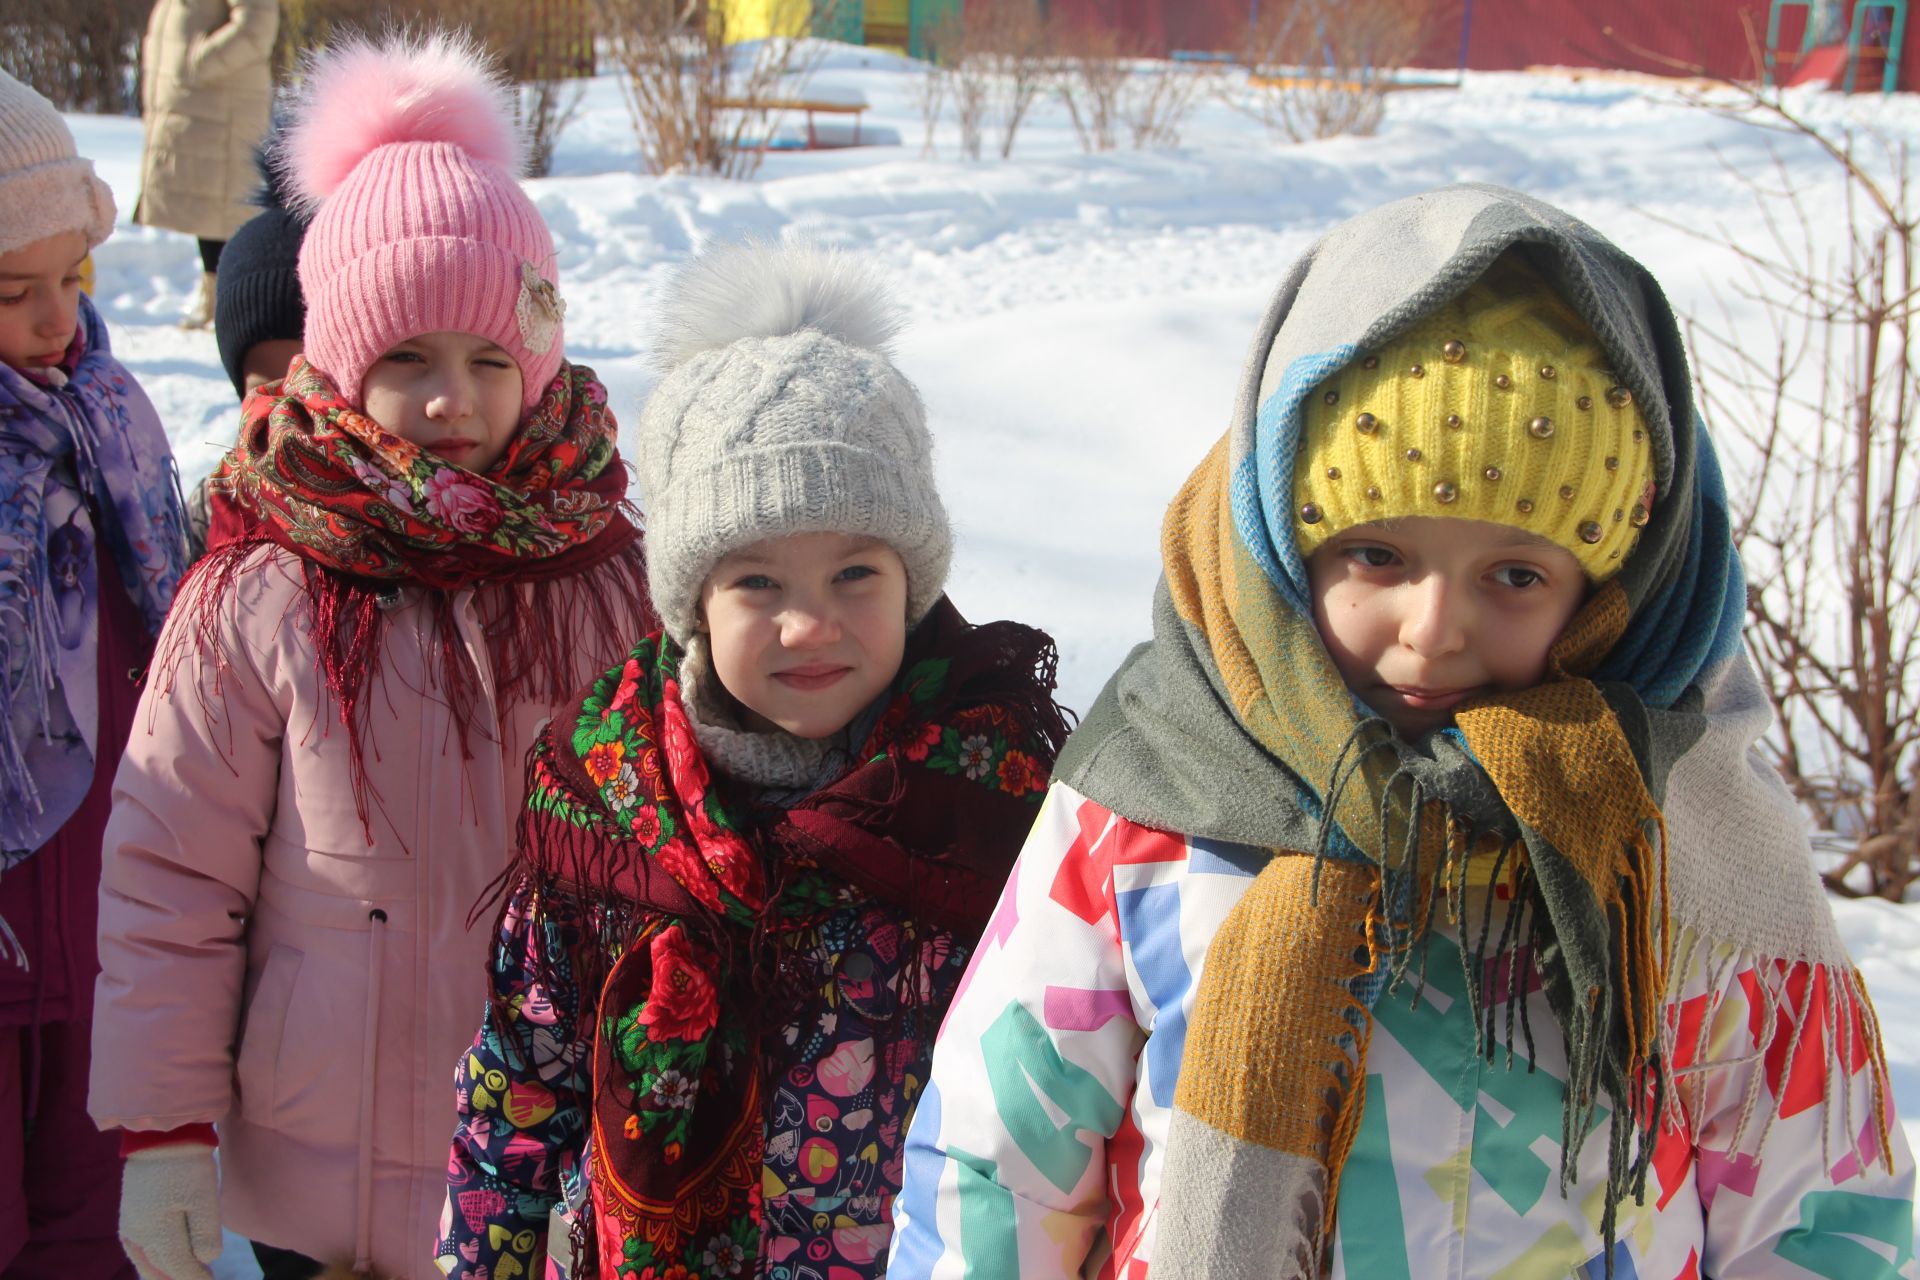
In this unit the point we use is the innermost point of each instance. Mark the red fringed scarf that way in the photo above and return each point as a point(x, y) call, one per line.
point(690, 901)
point(367, 513)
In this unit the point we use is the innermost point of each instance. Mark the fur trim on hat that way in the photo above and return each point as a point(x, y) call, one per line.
point(766, 291)
point(275, 191)
point(360, 96)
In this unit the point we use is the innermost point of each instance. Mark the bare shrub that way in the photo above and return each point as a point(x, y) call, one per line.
point(547, 47)
point(1827, 402)
point(1093, 81)
point(1012, 42)
point(82, 54)
point(1158, 98)
point(546, 108)
point(966, 78)
point(1322, 68)
point(944, 44)
point(697, 102)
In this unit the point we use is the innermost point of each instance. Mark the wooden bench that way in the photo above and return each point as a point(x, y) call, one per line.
point(823, 102)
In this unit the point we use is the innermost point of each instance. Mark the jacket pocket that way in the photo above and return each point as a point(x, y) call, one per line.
point(262, 1032)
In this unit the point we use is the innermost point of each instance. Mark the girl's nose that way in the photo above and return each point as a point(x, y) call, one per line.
point(452, 399)
point(1434, 622)
point(809, 625)
point(52, 318)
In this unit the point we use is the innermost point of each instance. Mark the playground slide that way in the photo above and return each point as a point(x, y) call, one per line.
point(1825, 65)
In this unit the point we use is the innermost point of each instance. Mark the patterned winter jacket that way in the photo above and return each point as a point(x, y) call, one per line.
point(1038, 1147)
point(843, 1084)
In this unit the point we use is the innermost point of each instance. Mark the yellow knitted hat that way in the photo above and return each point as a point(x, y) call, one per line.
point(1499, 405)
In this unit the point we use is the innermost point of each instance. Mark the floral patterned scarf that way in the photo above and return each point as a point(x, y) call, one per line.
point(368, 513)
point(336, 488)
point(692, 893)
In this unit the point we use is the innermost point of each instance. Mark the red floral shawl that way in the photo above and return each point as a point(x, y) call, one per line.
point(691, 900)
point(368, 512)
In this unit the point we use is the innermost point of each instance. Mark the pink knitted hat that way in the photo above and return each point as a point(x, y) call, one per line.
point(45, 187)
point(406, 153)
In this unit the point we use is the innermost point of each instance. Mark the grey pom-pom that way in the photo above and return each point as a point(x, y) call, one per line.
point(766, 291)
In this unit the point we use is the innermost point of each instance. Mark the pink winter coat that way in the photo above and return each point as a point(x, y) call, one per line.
point(262, 967)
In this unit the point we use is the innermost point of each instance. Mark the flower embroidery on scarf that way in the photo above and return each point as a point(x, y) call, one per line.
point(397, 492)
point(604, 761)
point(976, 756)
point(462, 503)
point(622, 791)
point(538, 310)
point(683, 1003)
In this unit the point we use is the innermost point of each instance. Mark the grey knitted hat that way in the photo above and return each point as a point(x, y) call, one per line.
point(45, 187)
point(779, 413)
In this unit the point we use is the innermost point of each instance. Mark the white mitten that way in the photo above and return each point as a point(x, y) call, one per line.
point(170, 1211)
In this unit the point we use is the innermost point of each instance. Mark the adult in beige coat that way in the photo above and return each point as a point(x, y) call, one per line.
point(207, 95)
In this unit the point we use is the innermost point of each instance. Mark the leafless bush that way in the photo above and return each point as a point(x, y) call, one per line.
point(930, 96)
point(697, 102)
point(1112, 93)
point(81, 54)
point(944, 44)
point(1824, 498)
point(1160, 96)
point(1094, 75)
point(1322, 68)
point(546, 108)
point(1013, 43)
point(964, 77)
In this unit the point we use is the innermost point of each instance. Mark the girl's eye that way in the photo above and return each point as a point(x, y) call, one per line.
point(1372, 557)
point(855, 572)
point(495, 362)
point(11, 299)
point(754, 582)
point(1518, 577)
point(68, 282)
point(403, 357)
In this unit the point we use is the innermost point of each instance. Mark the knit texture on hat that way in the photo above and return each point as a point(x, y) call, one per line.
point(781, 413)
point(1499, 406)
point(45, 187)
point(257, 292)
point(407, 156)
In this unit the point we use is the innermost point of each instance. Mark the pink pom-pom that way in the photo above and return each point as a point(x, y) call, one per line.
point(360, 96)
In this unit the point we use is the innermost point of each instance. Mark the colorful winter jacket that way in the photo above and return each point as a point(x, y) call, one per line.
point(843, 1084)
point(1037, 1149)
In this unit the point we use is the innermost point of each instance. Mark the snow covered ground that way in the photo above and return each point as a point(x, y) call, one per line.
point(1079, 322)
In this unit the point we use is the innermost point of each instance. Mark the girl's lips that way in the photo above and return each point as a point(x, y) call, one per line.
point(1434, 699)
point(811, 678)
point(451, 447)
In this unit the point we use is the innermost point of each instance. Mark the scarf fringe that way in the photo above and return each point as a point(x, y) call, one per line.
point(1831, 1003)
point(1412, 879)
point(534, 632)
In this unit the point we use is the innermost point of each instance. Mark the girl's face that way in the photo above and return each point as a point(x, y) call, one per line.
point(1423, 613)
point(456, 395)
point(806, 630)
point(40, 300)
